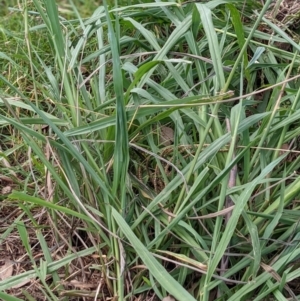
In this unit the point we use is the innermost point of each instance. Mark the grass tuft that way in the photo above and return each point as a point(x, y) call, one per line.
point(149, 150)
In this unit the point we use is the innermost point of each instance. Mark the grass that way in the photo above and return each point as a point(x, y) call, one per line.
point(149, 150)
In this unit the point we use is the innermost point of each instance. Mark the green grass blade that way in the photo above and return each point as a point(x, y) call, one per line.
point(156, 269)
point(7, 297)
point(213, 43)
point(237, 211)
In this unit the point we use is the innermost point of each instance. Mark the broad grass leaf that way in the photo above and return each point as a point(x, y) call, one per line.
point(20, 196)
point(155, 268)
point(256, 249)
point(239, 31)
point(236, 213)
point(258, 52)
point(145, 5)
point(282, 34)
point(265, 276)
point(18, 279)
point(213, 43)
point(7, 297)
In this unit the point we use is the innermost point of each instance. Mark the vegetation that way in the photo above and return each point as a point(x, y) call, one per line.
point(150, 150)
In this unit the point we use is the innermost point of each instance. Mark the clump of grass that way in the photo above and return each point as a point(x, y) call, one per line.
point(152, 151)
